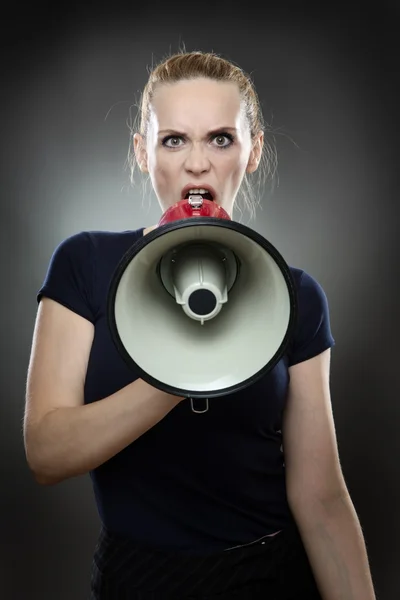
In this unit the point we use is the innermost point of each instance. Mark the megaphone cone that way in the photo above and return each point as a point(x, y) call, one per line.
point(201, 306)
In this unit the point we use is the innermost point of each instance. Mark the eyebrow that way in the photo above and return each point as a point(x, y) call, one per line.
point(180, 133)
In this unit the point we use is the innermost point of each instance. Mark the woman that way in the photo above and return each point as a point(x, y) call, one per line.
point(193, 507)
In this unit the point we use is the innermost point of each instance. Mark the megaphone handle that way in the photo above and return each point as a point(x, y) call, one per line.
point(192, 400)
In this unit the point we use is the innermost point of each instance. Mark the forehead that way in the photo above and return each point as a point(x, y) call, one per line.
point(196, 103)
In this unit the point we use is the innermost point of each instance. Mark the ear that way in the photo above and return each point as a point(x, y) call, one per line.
point(139, 146)
point(255, 154)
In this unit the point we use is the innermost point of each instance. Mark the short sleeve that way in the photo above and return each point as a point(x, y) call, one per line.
point(70, 276)
point(313, 331)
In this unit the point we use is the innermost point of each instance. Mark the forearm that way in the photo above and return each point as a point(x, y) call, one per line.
point(335, 546)
point(72, 441)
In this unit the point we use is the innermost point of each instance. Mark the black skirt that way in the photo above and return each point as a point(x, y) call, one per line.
point(273, 568)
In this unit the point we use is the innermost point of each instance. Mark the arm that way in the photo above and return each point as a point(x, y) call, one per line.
point(317, 492)
point(64, 437)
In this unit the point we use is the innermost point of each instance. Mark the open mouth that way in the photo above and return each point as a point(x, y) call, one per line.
point(203, 192)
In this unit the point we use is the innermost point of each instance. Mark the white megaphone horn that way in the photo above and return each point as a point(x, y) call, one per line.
point(201, 306)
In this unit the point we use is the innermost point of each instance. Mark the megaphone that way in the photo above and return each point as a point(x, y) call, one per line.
point(201, 306)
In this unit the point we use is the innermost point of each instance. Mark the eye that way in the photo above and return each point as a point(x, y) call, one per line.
point(223, 140)
point(174, 139)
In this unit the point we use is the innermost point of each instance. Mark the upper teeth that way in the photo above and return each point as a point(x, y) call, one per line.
point(198, 191)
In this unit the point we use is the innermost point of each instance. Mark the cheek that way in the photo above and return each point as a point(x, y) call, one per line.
point(235, 165)
point(164, 165)
point(160, 169)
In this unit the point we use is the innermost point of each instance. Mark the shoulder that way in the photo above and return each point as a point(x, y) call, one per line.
point(87, 255)
point(311, 296)
point(305, 283)
point(82, 251)
point(312, 333)
point(97, 240)
point(80, 267)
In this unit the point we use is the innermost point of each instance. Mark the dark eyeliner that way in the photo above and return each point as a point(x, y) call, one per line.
point(229, 136)
point(171, 137)
point(224, 134)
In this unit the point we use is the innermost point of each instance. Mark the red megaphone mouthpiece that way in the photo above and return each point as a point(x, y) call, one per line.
point(194, 206)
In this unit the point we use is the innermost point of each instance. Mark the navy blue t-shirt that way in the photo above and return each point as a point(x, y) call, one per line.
point(193, 481)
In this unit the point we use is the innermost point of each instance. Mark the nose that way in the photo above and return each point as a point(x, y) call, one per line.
point(197, 161)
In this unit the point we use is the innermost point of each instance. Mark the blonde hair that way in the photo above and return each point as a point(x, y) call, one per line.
point(190, 65)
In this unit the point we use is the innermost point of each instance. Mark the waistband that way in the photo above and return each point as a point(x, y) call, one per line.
point(122, 568)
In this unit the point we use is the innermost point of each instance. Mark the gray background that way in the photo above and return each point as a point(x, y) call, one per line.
point(328, 81)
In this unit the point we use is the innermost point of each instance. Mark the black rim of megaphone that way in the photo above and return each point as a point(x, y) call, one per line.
point(140, 244)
